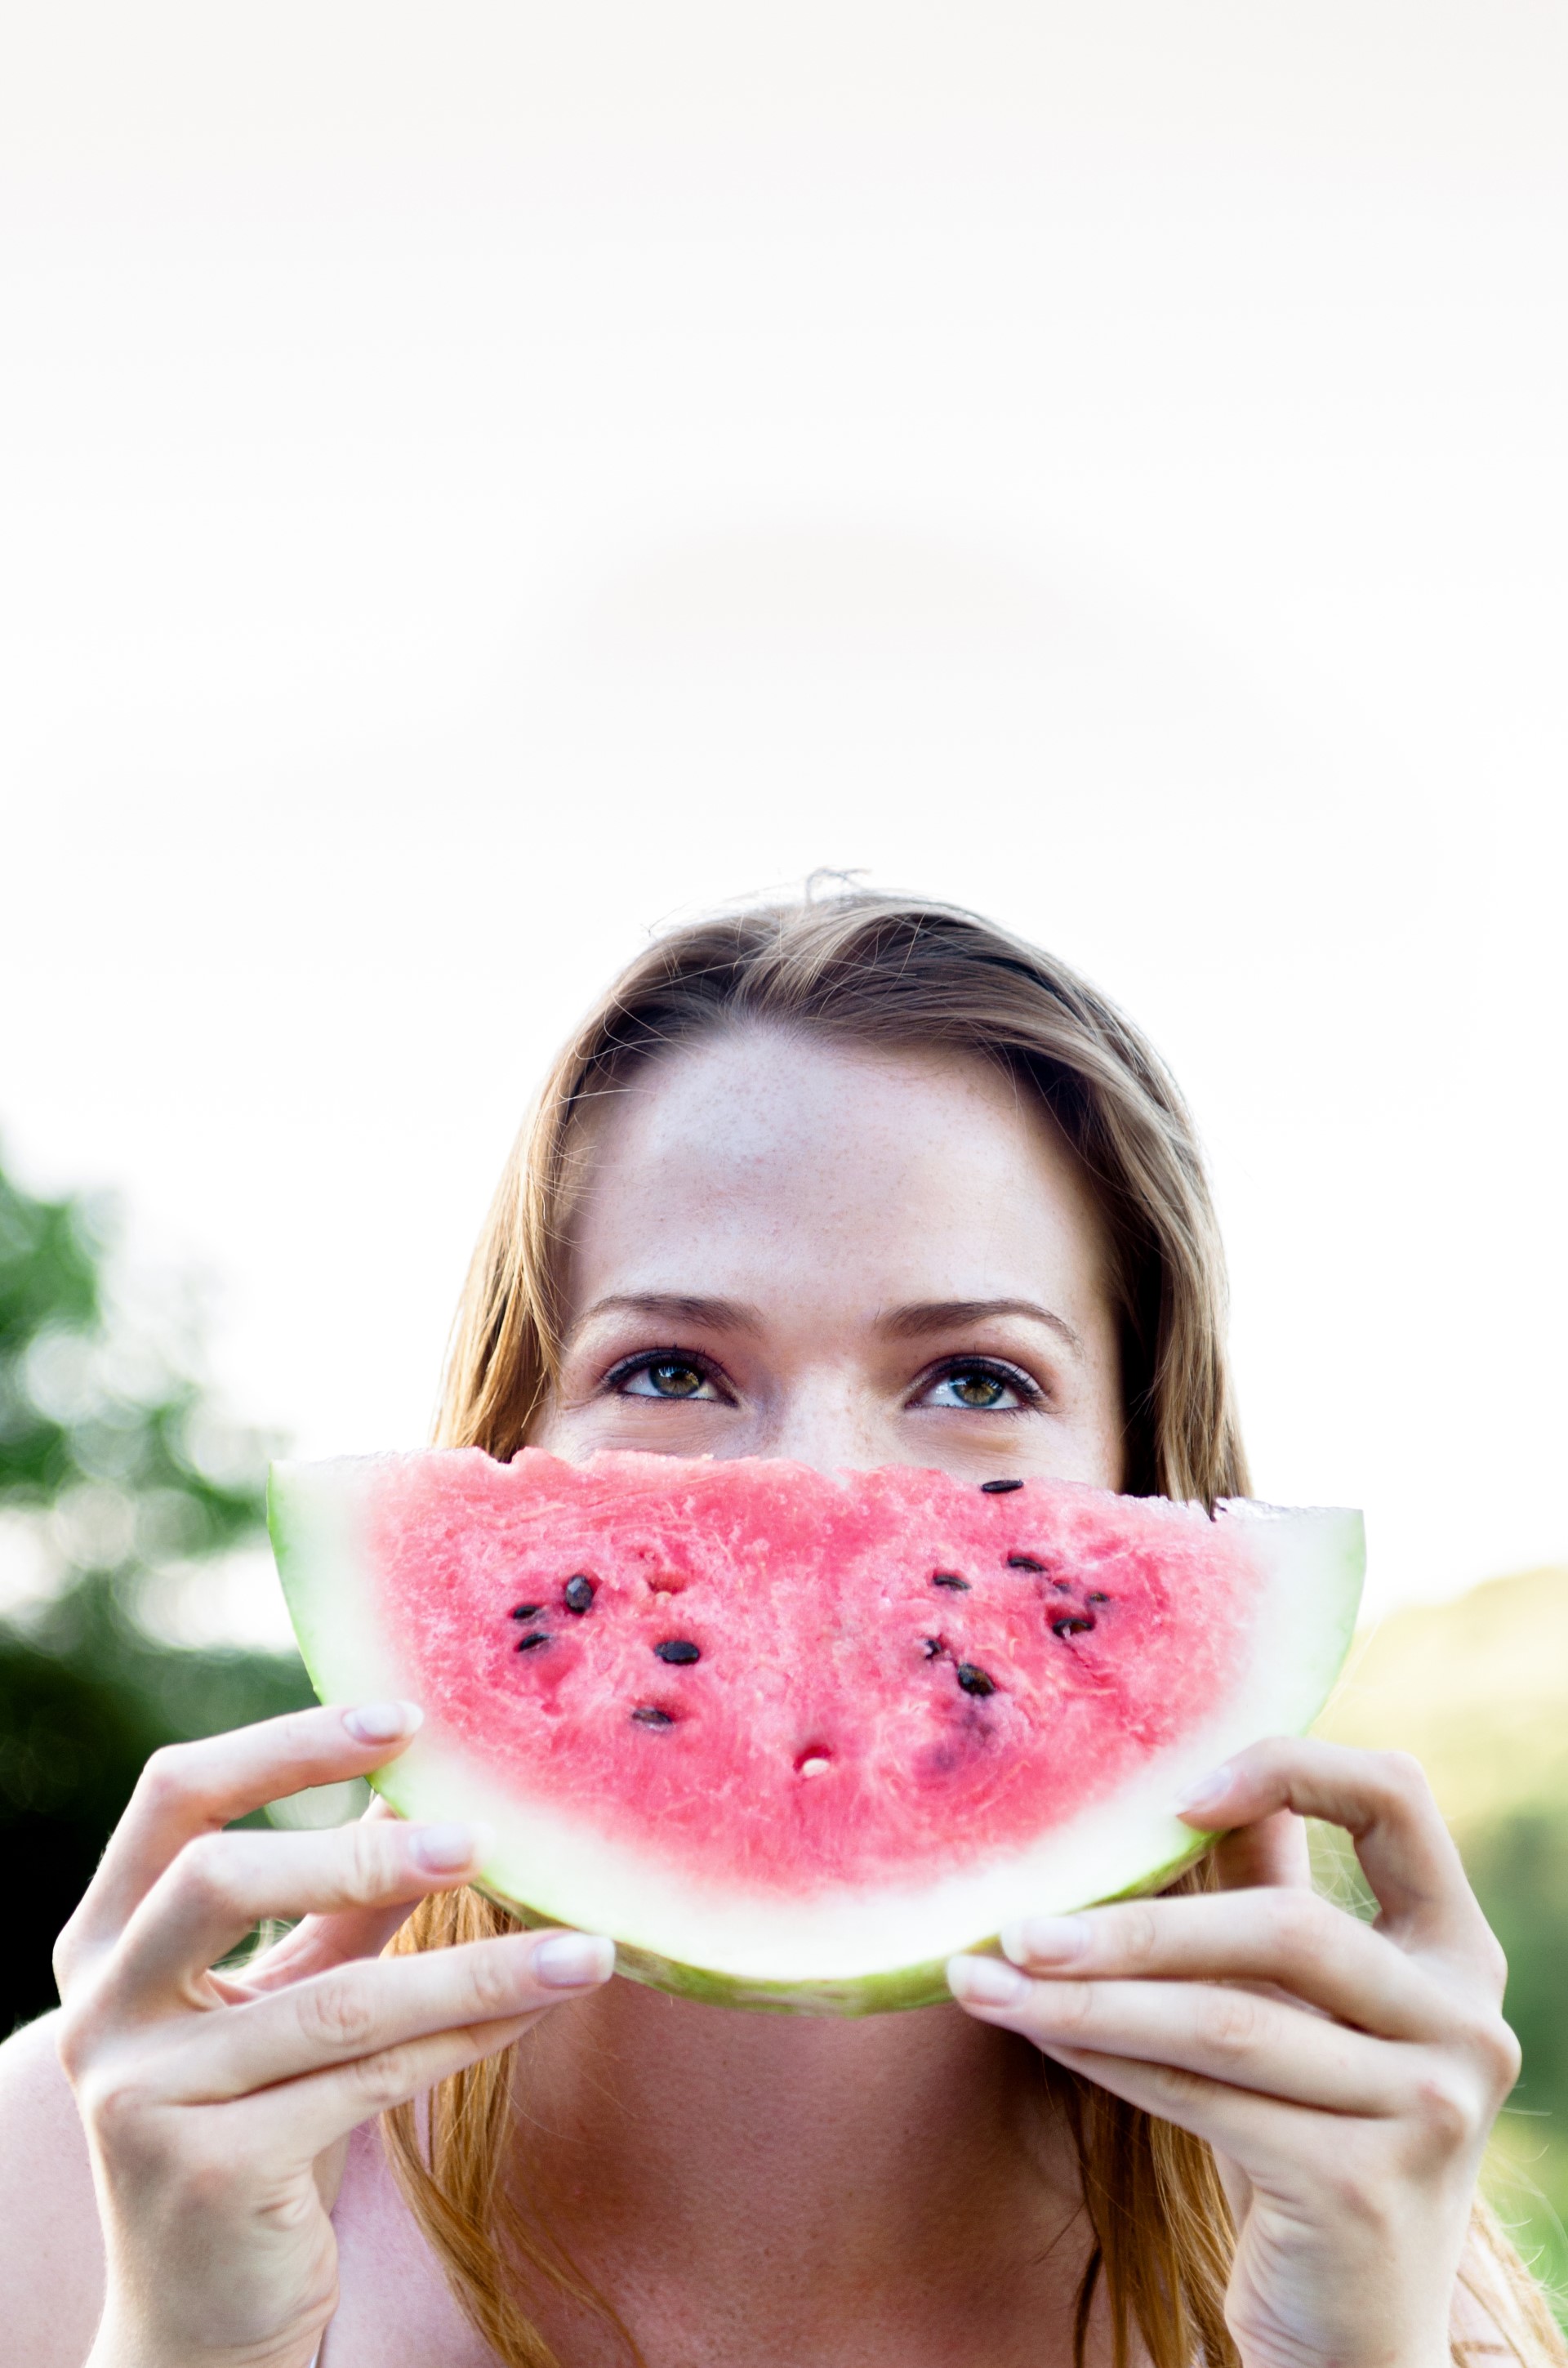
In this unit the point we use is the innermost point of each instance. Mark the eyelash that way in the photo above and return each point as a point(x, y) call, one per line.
point(645, 1358)
point(995, 1368)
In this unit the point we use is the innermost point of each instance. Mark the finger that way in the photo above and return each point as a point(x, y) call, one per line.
point(1383, 1802)
point(189, 1789)
point(1233, 2035)
point(223, 1885)
point(1292, 1939)
point(363, 2010)
point(1262, 2137)
point(317, 1943)
point(1273, 1851)
point(298, 2120)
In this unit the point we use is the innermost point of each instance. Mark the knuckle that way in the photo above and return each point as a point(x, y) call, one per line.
point(66, 1954)
point(1359, 2188)
point(374, 1864)
point(206, 1873)
point(1138, 1936)
point(1449, 2114)
point(1228, 2022)
point(1179, 2087)
point(386, 2078)
point(78, 2034)
point(292, 2212)
point(115, 2104)
point(1066, 2010)
point(491, 1984)
point(74, 2036)
point(335, 2014)
point(1499, 2053)
point(1494, 1965)
point(1299, 1926)
point(1403, 1776)
point(166, 1777)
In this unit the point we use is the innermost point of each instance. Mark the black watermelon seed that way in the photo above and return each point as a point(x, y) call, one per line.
point(527, 1644)
point(526, 1610)
point(999, 1488)
point(1072, 1624)
point(949, 1578)
point(579, 1593)
point(647, 1715)
point(973, 1680)
point(1096, 1595)
point(933, 1646)
point(678, 1649)
point(1024, 1562)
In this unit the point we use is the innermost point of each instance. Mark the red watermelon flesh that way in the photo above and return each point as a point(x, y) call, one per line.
point(781, 1731)
point(909, 1670)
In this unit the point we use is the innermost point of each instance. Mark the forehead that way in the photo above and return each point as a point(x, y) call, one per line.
point(757, 1153)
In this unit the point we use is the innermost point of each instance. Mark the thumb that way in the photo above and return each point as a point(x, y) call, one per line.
point(1272, 1852)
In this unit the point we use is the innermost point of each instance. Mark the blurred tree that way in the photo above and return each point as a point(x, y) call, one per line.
point(115, 1466)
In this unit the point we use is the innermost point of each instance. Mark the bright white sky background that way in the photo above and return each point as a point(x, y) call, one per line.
point(480, 480)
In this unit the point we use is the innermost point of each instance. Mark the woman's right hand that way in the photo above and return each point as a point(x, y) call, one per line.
point(216, 2105)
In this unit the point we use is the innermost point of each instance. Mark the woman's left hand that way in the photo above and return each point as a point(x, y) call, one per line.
point(1347, 2075)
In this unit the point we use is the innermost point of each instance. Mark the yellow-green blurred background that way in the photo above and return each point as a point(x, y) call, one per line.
point(1478, 1689)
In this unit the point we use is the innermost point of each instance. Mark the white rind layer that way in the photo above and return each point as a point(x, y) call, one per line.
point(567, 1872)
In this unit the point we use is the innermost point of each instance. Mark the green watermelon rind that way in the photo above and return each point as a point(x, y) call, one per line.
point(889, 1993)
point(769, 1969)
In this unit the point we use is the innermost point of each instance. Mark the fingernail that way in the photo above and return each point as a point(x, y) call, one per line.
point(573, 1961)
point(1207, 1792)
point(1045, 1940)
point(985, 1981)
point(444, 1850)
point(386, 1722)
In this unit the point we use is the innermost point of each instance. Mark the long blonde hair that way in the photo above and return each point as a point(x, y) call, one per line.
point(880, 971)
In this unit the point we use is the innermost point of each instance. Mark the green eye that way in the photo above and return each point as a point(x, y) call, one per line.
point(983, 1388)
point(667, 1377)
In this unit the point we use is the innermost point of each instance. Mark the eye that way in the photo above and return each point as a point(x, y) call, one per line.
point(665, 1376)
point(978, 1385)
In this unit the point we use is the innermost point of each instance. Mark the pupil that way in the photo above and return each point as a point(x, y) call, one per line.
point(977, 1389)
point(676, 1381)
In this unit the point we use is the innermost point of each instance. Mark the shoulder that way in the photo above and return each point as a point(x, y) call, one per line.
point(51, 2253)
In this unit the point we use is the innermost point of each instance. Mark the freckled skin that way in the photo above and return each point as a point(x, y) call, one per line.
point(821, 1187)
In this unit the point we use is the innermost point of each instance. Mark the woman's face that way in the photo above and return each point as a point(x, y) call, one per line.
point(781, 1247)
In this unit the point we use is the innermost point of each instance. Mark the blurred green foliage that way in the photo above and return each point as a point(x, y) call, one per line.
point(1519, 1864)
point(114, 1465)
point(1477, 1688)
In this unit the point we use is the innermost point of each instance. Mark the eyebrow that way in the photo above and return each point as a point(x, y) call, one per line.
point(925, 1315)
point(718, 1315)
point(911, 1322)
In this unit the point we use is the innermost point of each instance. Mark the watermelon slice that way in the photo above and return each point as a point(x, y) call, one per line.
point(790, 1736)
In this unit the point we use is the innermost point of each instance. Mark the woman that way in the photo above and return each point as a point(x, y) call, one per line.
point(858, 1182)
